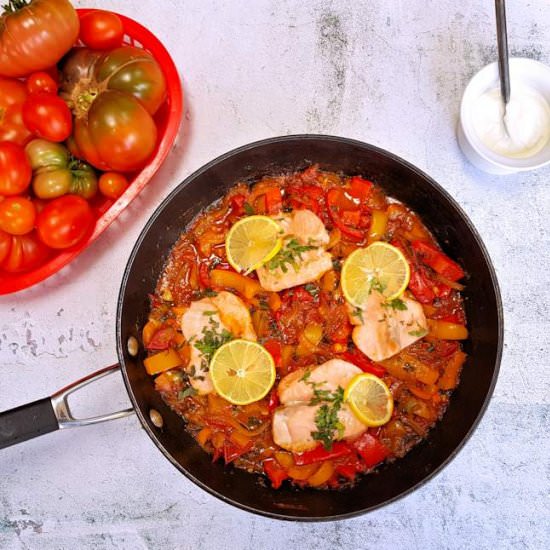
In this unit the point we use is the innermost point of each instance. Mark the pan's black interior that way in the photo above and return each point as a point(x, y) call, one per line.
point(454, 232)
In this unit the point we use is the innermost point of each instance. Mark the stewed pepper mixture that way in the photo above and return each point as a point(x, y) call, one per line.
point(308, 325)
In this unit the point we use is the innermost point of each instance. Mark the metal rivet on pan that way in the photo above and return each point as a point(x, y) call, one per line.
point(156, 418)
point(133, 346)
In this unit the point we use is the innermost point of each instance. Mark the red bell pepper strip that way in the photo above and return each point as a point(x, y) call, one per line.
point(274, 348)
point(340, 448)
point(231, 451)
point(419, 283)
point(305, 196)
point(420, 287)
point(370, 448)
point(351, 217)
point(237, 204)
point(360, 188)
point(336, 201)
point(349, 466)
point(275, 472)
point(439, 262)
point(299, 294)
point(161, 339)
point(360, 360)
point(204, 277)
point(273, 200)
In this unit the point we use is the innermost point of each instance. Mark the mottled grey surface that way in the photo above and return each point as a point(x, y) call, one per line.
point(389, 73)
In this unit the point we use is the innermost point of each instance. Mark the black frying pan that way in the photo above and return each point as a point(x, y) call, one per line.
point(399, 179)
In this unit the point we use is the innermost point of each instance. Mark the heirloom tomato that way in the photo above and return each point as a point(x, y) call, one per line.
point(47, 116)
point(15, 170)
point(12, 96)
point(114, 96)
point(25, 252)
point(64, 221)
point(55, 173)
point(35, 35)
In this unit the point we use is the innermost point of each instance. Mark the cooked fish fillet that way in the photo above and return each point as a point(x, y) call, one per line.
point(294, 425)
point(307, 229)
point(384, 331)
point(222, 312)
point(328, 376)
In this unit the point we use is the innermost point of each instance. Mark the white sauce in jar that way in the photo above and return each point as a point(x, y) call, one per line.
point(520, 131)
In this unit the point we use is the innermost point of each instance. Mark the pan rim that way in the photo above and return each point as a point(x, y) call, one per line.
point(410, 167)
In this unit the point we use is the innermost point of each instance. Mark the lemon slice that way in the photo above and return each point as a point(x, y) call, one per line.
point(380, 267)
point(242, 372)
point(253, 241)
point(370, 399)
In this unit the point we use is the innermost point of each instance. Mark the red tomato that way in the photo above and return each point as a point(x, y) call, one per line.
point(17, 215)
point(41, 82)
point(12, 96)
point(65, 221)
point(5, 245)
point(112, 184)
point(26, 252)
point(101, 30)
point(15, 169)
point(35, 35)
point(47, 116)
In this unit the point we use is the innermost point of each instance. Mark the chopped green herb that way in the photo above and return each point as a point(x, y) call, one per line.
point(289, 255)
point(306, 376)
point(212, 339)
point(187, 392)
point(376, 285)
point(209, 313)
point(336, 264)
point(263, 304)
point(326, 419)
point(312, 289)
point(358, 312)
point(248, 209)
point(419, 333)
point(397, 304)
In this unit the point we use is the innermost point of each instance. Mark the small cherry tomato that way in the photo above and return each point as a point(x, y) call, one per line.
point(41, 82)
point(26, 252)
point(5, 245)
point(101, 30)
point(17, 215)
point(15, 169)
point(112, 184)
point(47, 116)
point(64, 221)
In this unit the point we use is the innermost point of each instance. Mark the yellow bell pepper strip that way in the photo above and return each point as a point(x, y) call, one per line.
point(162, 361)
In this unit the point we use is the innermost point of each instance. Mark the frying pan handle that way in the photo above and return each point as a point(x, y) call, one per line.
point(51, 413)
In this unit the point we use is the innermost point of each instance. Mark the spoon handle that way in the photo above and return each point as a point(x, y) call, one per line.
point(502, 38)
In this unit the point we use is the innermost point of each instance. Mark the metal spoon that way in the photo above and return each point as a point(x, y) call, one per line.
point(503, 66)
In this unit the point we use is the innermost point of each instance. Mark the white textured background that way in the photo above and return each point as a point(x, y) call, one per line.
point(389, 73)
